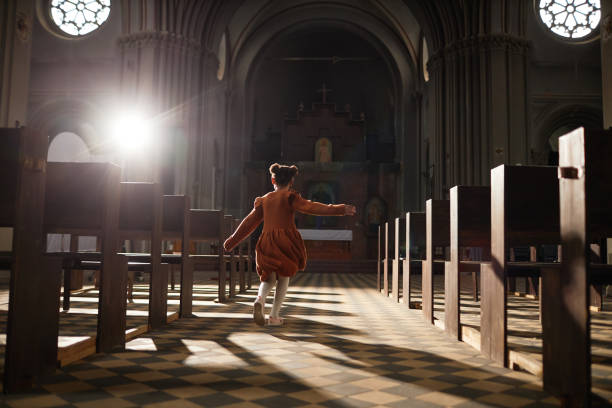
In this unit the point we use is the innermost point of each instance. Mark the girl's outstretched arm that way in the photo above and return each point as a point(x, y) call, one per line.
point(246, 227)
point(315, 208)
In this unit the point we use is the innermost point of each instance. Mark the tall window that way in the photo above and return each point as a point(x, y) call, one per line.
point(79, 17)
point(571, 19)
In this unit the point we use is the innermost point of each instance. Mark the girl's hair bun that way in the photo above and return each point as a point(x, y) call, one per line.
point(274, 168)
point(283, 174)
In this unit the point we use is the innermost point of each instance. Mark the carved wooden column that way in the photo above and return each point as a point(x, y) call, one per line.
point(16, 19)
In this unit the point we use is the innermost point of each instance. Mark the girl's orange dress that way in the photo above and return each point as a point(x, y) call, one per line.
point(280, 248)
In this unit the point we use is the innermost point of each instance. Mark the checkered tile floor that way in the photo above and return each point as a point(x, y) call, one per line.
point(343, 345)
point(525, 329)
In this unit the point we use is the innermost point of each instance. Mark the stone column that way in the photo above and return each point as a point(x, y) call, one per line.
point(606, 61)
point(480, 109)
point(161, 75)
point(16, 21)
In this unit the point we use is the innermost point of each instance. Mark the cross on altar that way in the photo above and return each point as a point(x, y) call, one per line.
point(324, 91)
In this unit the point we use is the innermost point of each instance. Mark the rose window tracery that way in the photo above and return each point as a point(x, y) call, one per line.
point(571, 19)
point(79, 17)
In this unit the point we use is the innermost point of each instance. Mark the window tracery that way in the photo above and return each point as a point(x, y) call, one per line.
point(571, 19)
point(79, 17)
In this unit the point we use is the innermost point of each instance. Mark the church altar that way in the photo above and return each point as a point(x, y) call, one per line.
point(328, 243)
point(326, 234)
point(330, 148)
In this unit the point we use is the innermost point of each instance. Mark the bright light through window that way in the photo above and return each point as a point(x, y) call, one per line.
point(572, 19)
point(79, 17)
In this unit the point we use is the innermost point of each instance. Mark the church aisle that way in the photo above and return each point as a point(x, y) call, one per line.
point(343, 345)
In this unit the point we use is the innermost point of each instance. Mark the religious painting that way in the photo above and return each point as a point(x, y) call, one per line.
point(325, 193)
point(375, 212)
point(323, 150)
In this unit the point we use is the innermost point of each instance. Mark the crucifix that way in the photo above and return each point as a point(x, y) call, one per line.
point(324, 91)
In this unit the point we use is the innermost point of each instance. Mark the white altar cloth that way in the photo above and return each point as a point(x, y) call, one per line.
point(326, 234)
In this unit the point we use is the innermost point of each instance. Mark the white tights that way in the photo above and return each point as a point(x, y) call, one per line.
point(279, 295)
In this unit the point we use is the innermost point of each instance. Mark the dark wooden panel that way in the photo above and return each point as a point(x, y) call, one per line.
point(399, 242)
point(416, 235)
point(242, 261)
point(379, 260)
point(410, 269)
point(174, 214)
point(74, 197)
point(492, 276)
point(214, 227)
point(598, 148)
point(532, 205)
point(396, 264)
point(158, 297)
point(138, 206)
point(415, 250)
point(492, 306)
point(232, 259)
point(470, 225)
point(437, 219)
point(113, 272)
point(584, 192)
point(177, 225)
point(34, 288)
point(474, 210)
point(111, 307)
point(33, 322)
point(565, 333)
point(206, 224)
point(388, 260)
point(147, 199)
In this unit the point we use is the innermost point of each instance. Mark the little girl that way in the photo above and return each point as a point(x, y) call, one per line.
point(280, 251)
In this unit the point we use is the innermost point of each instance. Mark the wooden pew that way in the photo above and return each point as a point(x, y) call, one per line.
point(33, 309)
point(83, 199)
point(210, 226)
point(140, 218)
point(387, 261)
point(585, 189)
point(470, 226)
point(399, 239)
point(415, 250)
point(176, 225)
point(437, 220)
point(524, 212)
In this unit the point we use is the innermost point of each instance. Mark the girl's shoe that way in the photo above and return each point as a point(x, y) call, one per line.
point(258, 314)
point(275, 321)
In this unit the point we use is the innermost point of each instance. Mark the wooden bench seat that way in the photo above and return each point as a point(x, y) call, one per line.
point(140, 218)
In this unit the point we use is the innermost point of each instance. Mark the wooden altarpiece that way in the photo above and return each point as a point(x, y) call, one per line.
point(329, 147)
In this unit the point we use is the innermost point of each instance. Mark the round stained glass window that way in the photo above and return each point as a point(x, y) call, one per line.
point(79, 17)
point(571, 19)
